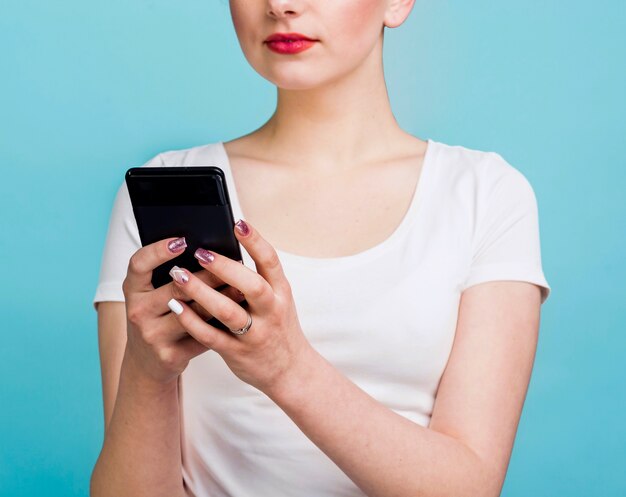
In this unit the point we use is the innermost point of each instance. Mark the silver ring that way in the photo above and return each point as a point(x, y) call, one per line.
point(244, 330)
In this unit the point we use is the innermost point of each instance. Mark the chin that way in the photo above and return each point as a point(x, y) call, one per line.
point(291, 77)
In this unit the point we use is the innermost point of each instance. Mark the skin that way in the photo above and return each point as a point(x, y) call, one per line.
point(333, 126)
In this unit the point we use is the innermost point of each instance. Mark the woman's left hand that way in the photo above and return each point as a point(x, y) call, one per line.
point(274, 344)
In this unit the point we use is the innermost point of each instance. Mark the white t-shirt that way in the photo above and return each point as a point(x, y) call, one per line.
point(385, 317)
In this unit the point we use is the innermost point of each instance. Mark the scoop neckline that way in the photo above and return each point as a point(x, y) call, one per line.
point(414, 211)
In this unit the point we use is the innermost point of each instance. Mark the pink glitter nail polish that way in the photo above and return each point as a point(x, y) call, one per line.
point(242, 227)
point(204, 255)
point(177, 245)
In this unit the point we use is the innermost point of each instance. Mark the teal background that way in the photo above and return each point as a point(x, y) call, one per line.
point(88, 89)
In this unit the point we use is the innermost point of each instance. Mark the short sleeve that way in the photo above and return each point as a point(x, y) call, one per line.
point(122, 241)
point(506, 244)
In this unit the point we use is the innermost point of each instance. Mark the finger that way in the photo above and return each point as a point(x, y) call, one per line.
point(264, 255)
point(230, 292)
point(169, 329)
point(157, 303)
point(157, 307)
point(207, 335)
point(209, 278)
point(230, 313)
point(146, 259)
point(256, 289)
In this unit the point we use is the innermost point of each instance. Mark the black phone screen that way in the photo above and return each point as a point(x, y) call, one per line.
point(183, 201)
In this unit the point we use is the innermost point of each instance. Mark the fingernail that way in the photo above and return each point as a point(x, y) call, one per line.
point(204, 255)
point(177, 245)
point(242, 227)
point(175, 306)
point(179, 275)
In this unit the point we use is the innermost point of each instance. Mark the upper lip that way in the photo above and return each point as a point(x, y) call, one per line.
point(287, 37)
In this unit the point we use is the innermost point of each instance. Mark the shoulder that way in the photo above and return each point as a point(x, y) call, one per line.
point(207, 154)
point(486, 164)
point(483, 172)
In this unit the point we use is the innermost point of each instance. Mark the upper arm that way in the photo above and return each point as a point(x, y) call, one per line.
point(112, 343)
point(482, 390)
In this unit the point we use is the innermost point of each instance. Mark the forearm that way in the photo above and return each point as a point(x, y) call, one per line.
point(141, 454)
point(385, 454)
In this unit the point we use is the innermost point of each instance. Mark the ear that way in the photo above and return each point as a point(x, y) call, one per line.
point(397, 12)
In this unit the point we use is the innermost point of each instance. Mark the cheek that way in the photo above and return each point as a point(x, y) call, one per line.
point(244, 16)
point(355, 24)
point(359, 13)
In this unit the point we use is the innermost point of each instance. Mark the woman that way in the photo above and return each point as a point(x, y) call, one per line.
point(394, 288)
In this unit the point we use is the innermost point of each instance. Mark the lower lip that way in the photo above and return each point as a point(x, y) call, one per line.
point(289, 47)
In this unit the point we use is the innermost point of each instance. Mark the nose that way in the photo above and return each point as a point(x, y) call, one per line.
point(279, 9)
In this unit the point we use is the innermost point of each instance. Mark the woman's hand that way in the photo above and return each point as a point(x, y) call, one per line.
point(275, 342)
point(157, 343)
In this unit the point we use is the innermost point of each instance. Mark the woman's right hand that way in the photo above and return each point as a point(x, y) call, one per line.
point(157, 345)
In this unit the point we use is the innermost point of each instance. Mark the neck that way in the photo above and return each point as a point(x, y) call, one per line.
point(335, 126)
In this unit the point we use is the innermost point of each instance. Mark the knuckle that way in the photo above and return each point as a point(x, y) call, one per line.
point(203, 337)
point(285, 289)
point(234, 294)
point(227, 312)
point(134, 263)
point(271, 260)
point(207, 341)
point(134, 314)
point(168, 357)
point(150, 337)
point(126, 287)
point(257, 289)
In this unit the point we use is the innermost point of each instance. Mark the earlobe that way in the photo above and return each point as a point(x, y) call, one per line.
point(397, 12)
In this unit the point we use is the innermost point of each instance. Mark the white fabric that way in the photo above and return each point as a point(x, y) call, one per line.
point(385, 317)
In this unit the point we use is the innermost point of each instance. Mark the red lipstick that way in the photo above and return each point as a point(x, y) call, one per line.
point(289, 43)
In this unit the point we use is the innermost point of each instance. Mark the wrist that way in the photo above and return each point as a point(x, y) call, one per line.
point(293, 381)
point(136, 374)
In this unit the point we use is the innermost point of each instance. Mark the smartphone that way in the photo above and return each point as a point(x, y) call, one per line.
point(184, 201)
